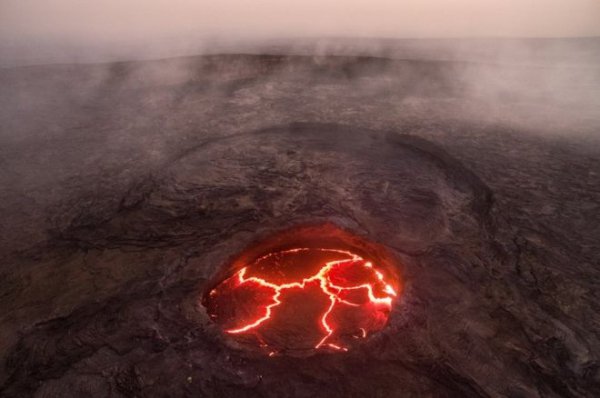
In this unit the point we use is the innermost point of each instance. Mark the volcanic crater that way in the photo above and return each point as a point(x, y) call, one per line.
point(137, 189)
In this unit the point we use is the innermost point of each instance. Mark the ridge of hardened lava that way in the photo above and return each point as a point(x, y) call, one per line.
point(352, 297)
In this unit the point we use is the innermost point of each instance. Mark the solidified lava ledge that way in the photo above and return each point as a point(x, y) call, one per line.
point(367, 204)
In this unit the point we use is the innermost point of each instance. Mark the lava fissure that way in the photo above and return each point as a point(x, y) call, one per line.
point(378, 292)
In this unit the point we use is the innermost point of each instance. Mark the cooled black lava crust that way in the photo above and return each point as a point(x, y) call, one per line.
point(104, 299)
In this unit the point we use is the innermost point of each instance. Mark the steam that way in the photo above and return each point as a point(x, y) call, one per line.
point(502, 74)
point(117, 117)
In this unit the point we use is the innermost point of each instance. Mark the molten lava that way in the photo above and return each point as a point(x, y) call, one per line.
point(303, 298)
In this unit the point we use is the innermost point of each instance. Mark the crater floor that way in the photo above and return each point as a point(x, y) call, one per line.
point(127, 187)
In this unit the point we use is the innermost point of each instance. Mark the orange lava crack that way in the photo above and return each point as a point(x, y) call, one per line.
point(332, 291)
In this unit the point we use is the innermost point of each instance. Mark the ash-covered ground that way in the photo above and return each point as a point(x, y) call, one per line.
point(126, 187)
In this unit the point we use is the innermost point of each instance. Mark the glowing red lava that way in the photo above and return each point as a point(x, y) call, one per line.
point(303, 298)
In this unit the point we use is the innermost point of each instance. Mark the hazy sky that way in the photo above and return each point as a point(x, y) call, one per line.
point(110, 20)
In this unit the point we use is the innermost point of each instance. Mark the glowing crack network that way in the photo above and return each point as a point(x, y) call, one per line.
point(321, 297)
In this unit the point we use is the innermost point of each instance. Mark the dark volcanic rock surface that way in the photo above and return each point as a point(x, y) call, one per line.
point(127, 187)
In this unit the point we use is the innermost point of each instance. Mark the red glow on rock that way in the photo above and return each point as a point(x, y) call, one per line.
point(304, 298)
